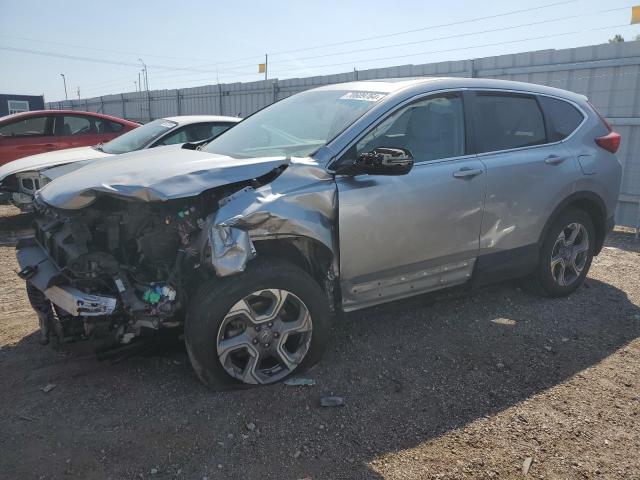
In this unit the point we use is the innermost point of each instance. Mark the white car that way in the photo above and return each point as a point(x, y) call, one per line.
point(21, 178)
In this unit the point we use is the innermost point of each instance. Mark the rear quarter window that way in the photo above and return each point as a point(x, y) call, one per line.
point(562, 118)
point(505, 121)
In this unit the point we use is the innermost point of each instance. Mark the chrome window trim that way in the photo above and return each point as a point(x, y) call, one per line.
point(585, 117)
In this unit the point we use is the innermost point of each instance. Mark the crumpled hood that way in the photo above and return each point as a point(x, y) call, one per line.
point(156, 174)
point(50, 159)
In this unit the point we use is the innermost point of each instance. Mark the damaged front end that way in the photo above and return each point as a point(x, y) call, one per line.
point(125, 267)
point(111, 270)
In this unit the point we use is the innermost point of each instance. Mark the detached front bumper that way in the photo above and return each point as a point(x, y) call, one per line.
point(37, 268)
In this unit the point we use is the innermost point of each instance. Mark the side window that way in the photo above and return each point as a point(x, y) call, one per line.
point(217, 129)
point(28, 127)
point(202, 131)
point(503, 121)
point(115, 127)
point(102, 126)
point(194, 133)
point(75, 125)
point(430, 129)
point(178, 136)
point(562, 118)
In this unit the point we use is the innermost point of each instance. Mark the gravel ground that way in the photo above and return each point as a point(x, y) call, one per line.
point(448, 385)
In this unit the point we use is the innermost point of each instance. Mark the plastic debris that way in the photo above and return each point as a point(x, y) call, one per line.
point(300, 381)
point(49, 387)
point(332, 402)
point(526, 465)
point(158, 293)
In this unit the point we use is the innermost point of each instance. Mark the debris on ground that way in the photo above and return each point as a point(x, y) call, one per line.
point(300, 382)
point(461, 419)
point(49, 387)
point(251, 426)
point(332, 402)
point(526, 465)
point(504, 321)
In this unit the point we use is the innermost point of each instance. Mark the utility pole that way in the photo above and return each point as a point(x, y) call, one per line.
point(146, 77)
point(64, 80)
point(266, 65)
point(139, 84)
point(135, 83)
point(146, 85)
point(78, 93)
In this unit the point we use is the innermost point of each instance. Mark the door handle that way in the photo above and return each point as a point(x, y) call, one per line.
point(467, 172)
point(554, 160)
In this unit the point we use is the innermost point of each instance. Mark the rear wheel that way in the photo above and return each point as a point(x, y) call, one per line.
point(257, 327)
point(566, 254)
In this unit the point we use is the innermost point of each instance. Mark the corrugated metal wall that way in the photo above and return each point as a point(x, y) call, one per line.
point(608, 74)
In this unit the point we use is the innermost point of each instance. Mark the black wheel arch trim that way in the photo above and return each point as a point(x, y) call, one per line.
point(601, 221)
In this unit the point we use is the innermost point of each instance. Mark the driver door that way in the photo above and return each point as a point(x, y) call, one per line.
point(408, 234)
point(75, 131)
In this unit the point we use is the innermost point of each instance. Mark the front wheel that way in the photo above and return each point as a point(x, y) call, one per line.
point(257, 327)
point(566, 254)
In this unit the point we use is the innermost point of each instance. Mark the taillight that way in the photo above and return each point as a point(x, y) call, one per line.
point(610, 142)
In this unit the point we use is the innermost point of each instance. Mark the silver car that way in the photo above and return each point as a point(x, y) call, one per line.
point(334, 199)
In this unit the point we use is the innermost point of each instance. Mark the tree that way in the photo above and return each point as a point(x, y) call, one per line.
point(617, 38)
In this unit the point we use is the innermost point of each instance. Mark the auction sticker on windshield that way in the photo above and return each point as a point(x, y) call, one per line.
point(363, 96)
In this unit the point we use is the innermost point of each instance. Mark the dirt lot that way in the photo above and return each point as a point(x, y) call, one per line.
point(452, 385)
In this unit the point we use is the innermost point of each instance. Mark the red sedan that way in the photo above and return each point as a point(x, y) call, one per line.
point(40, 131)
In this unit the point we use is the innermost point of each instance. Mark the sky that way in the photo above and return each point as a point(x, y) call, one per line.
point(99, 46)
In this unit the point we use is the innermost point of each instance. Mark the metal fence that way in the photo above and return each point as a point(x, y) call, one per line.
point(608, 74)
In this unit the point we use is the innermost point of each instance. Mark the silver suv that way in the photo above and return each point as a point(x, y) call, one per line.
point(334, 199)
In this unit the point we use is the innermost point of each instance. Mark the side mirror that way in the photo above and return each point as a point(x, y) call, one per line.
point(380, 161)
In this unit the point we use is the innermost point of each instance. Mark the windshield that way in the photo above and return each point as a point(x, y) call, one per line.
point(138, 137)
point(296, 126)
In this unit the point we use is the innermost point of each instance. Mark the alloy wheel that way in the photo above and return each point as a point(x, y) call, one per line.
point(264, 336)
point(569, 254)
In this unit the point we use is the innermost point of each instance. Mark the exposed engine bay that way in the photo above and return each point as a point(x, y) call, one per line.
point(139, 260)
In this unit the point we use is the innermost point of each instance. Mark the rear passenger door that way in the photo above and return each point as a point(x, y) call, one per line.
point(529, 171)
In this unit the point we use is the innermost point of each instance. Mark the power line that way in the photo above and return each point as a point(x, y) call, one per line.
point(458, 35)
point(345, 42)
point(460, 22)
point(453, 49)
point(95, 60)
point(447, 37)
point(84, 47)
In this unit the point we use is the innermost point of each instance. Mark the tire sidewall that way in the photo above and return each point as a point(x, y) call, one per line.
point(215, 298)
point(544, 274)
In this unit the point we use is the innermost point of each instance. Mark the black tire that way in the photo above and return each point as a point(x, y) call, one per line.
point(213, 300)
point(542, 281)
